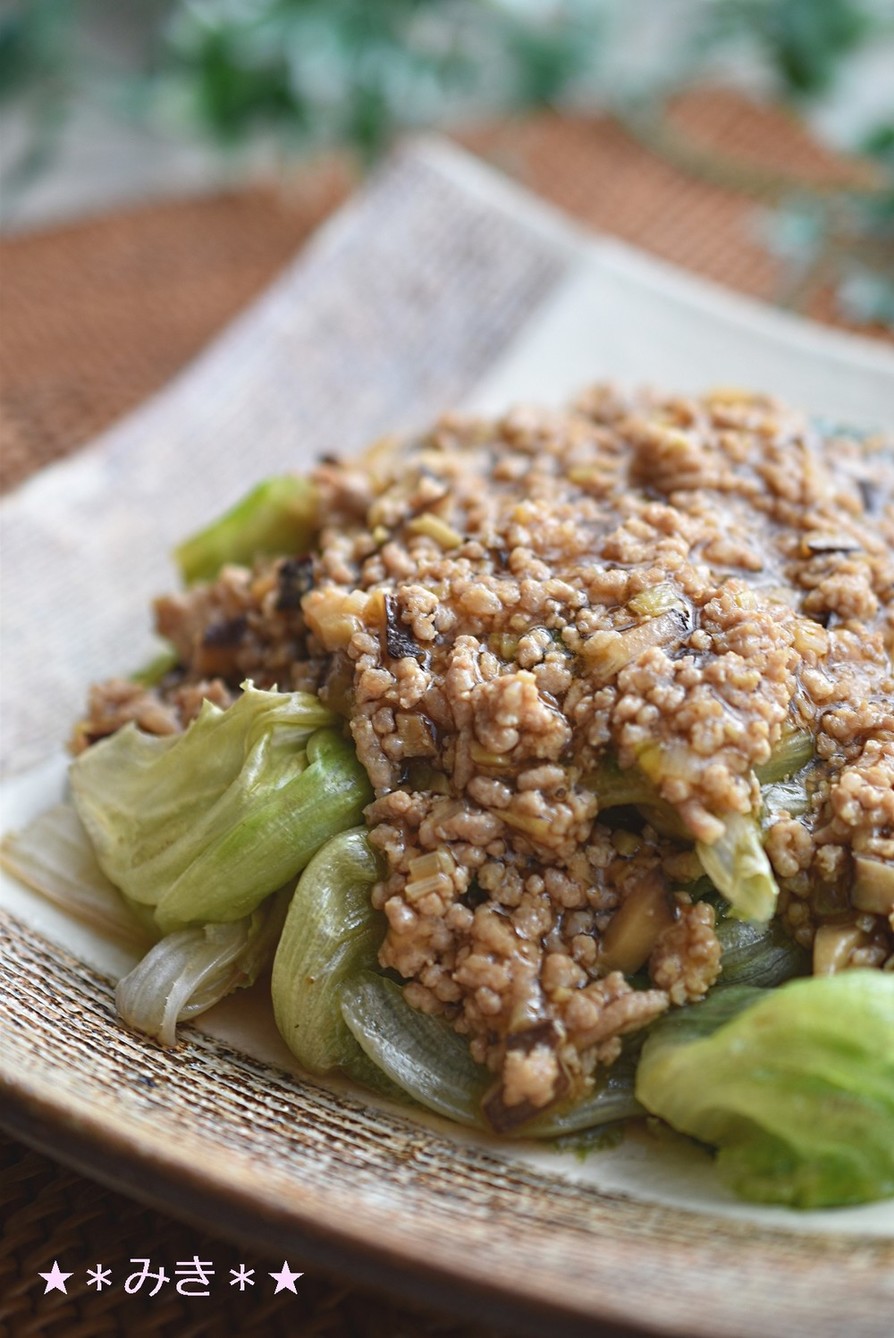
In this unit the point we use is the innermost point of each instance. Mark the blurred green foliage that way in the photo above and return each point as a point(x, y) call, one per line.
point(307, 74)
point(356, 71)
point(803, 41)
point(843, 237)
point(34, 69)
point(31, 43)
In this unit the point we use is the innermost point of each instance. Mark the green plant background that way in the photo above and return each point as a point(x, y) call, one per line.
point(305, 75)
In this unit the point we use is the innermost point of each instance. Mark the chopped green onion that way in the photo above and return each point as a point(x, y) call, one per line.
point(660, 598)
point(607, 653)
point(738, 867)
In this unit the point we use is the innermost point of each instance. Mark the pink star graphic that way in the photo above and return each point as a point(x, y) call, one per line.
point(55, 1279)
point(285, 1279)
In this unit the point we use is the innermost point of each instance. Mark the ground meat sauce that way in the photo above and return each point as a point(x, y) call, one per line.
point(508, 613)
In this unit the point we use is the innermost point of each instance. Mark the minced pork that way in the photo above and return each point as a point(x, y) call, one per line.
point(519, 617)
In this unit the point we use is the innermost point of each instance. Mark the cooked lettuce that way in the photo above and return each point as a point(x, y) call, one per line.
point(337, 1012)
point(331, 934)
point(421, 1054)
point(794, 1086)
point(53, 855)
point(758, 954)
point(278, 516)
point(203, 826)
point(430, 1062)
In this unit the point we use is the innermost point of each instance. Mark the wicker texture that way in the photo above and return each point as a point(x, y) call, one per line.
point(595, 171)
point(291, 1166)
point(98, 315)
point(50, 1213)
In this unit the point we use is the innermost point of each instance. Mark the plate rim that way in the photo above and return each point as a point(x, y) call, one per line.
point(128, 1154)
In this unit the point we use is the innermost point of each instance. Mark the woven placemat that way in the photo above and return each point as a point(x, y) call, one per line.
point(49, 1214)
point(98, 315)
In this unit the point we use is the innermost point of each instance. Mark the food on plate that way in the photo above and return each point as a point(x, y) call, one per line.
point(575, 729)
point(794, 1085)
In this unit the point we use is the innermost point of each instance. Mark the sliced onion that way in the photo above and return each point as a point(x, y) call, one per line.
point(189, 971)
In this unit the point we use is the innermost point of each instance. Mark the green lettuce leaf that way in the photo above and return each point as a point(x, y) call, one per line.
point(278, 516)
point(331, 933)
point(429, 1061)
point(421, 1054)
point(758, 954)
point(202, 826)
point(794, 1086)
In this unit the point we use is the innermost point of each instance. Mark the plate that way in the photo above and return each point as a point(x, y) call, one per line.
point(439, 284)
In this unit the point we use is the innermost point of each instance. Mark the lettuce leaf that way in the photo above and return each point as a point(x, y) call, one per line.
point(758, 954)
point(54, 856)
point(794, 1086)
point(204, 825)
point(429, 1061)
point(277, 516)
point(331, 933)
